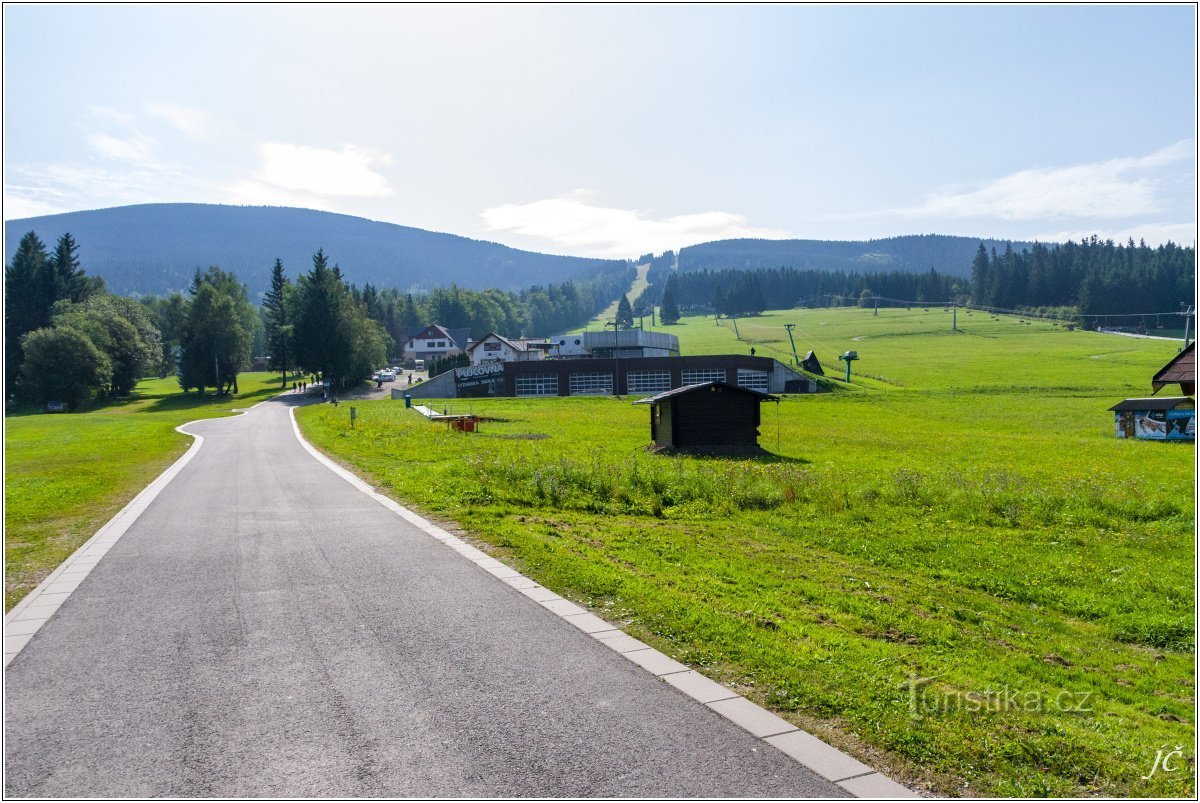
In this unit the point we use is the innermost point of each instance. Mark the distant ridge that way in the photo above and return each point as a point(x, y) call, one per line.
point(155, 248)
point(913, 253)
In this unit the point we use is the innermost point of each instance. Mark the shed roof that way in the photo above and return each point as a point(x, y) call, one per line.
point(688, 389)
point(1181, 369)
point(1164, 403)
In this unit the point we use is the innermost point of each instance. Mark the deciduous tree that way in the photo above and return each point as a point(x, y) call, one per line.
point(63, 364)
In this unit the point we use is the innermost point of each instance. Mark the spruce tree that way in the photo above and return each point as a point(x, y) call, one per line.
point(624, 313)
point(279, 333)
point(668, 312)
point(28, 296)
point(70, 282)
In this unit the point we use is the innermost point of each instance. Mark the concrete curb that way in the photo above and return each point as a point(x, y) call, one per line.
point(851, 775)
point(27, 616)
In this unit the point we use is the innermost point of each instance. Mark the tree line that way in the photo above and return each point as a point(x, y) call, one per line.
point(744, 292)
point(68, 339)
point(538, 311)
point(1094, 276)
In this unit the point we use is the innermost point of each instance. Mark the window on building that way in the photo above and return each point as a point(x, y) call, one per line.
point(491, 346)
point(591, 384)
point(431, 344)
point(697, 377)
point(648, 381)
point(537, 385)
point(754, 380)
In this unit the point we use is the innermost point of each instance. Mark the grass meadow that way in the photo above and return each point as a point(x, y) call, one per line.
point(950, 568)
point(67, 474)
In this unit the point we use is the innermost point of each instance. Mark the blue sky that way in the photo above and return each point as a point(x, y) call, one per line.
point(615, 130)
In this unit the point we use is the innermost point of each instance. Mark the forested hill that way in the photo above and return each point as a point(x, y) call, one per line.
point(156, 248)
point(911, 254)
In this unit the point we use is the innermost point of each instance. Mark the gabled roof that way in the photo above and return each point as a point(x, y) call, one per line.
point(459, 337)
point(702, 387)
point(515, 346)
point(1180, 370)
point(1163, 403)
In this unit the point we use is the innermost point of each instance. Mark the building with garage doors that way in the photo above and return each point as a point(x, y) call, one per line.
point(616, 376)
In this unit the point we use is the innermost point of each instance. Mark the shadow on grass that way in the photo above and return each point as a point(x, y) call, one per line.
point(172, 402)
point(731, 456)
point(140, 402)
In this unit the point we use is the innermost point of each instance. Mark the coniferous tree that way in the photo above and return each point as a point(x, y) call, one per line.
point(28, 296)
point(279, 333)
point(981, 276)
point(70, 282)
point(624, 313)
point(333, 336)
point(668, 312)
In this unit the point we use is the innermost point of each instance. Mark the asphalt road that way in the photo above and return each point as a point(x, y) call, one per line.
point(264, 629)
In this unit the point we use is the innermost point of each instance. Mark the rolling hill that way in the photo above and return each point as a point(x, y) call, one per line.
point(910, 253)
point(155, 248)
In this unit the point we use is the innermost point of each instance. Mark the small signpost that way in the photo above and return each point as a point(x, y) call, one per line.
point(353, 416)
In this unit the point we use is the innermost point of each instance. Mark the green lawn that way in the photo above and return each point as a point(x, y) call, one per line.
point(65, 475)
point(951, 568)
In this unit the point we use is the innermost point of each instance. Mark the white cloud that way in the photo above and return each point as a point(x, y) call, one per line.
point(17, 206)
point(1114, 189)
point(135, 148)
point(193, 122)
point(287, 171)
point(572, 223)
point(45, 189)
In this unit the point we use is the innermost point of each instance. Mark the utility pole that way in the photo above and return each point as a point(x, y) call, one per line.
point(876, 306)
point(954, 318)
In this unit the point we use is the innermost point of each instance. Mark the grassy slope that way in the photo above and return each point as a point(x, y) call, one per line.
point(963, 517)
point(610, 312)
point(65, 475)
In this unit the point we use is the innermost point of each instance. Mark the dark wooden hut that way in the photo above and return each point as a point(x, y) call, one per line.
point(713, 417)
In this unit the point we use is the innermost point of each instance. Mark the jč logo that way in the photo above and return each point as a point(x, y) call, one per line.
point(1163, 759)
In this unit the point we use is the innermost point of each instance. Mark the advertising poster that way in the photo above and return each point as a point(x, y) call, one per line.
point(1150, 428)
point(1181, 425)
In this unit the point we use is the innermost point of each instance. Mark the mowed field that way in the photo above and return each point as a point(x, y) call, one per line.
point(65, 475)
point(951, 568)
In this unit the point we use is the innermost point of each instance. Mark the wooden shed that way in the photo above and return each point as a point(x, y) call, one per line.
point(712, 417)
point(1156, 419)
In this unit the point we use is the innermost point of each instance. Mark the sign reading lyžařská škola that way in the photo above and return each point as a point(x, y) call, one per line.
point(480, 380)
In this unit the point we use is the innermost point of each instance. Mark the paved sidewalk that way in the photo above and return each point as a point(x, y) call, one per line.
point(263, 629)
